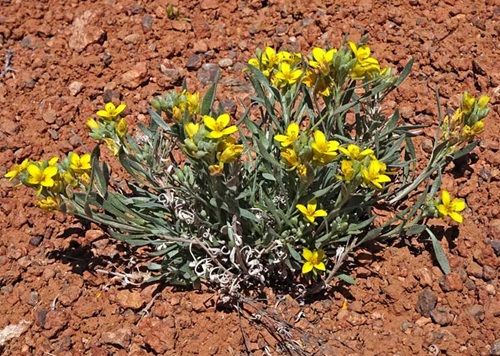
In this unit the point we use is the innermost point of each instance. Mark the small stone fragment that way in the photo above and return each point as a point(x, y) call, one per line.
point(427, 301)
point(147, 23)
point(225, 62)
point(83, 34)
point(70, 295)
point(32, 298)
point(75, 88)
point(132, 38)
point(477, 311)
point(194, 62)
point(135, 77)
point(475, 270)
point(121, 337)
point(208, 73)
point(55, 321)
point(49, 116)
point(36, 240)
point(496, 246)
point(172, 74)
point(441, 316)
point(129, 300)
point(489, 273)
point(495, 348)
point(451, 282)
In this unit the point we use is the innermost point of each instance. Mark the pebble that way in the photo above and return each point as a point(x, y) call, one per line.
point(55, 321)
point(75, 88)
point(451, 282)
point(496, 247)
point(495, 348)
point(135, 77)
point(475, 270)
point(121, 337)
point(477, 311)
point(147, 23)
point(82, 34)
point(129, 300)
point(9, 126)
point(427, 301)
point(172, 74)
point(194, 62)
point(441, 316)
point(208, 73)
point(490, 289)
point(200, 47)
point(70, 295)
point(225, 62)
point(32, 298)
point(132, 38)
point(489, 273)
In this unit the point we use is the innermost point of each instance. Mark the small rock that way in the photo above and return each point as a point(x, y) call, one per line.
point(489, 273)
point(490, 289)
point(121, 337)
point(194, 62)
point(41, 317)
point(8, 126)
point(208, 73)
point(451, 282)
point(55, 321)
point(495, 348)
point(75, 88)
point(129, 300)
point(209, 4)
point(469, 284)
point(475, 270)
point(422, 321)
point(36, 240)
point(70, 295)
point(427, 146)
point(172, 74)
point(200, 47)
point(135, 77)
point(427, 301)
point(406, 327)
point(49, 116)
point(342, 314)
point(147, 23)
point(132, 38)
point(477, 311)
point(65, 343)
point(83, 33)
point(174, 301)
point(109, 94)
point(496, 246)
point(441, 316)
point(32, 298)
point(225, 62)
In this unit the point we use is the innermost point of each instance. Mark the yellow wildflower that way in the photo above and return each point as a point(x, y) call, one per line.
point(482, 102)
point(193, 103)
point(322, 60)
point(121, 127)
point(291, 157)
point(374, 175)
point(17, 169)
point(49, 203)
point(230, 153)
point(112, 146)
point(41, 177)
point(468, 133)
point(324, 151)
point(286, 75)
point(348, 172)
point(79, 164)
point(468, 102)
point(110, 111)
point(215, 169)
point(291, 58)
point(313, 261)
point(191, 129)
point(69, 178)
point(292, 133)
point(365, 65)
point(355, 153)
point(451, 208)
point(92, 124)
point(311, 212)
point(218, 126)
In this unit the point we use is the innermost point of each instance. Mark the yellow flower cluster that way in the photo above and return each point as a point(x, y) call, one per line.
point(212, 142)
point(52, 179)
point(319, 69)
point(468, 120)
point(110, 127)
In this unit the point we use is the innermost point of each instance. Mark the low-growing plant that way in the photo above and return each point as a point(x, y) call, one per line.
point(279, 196)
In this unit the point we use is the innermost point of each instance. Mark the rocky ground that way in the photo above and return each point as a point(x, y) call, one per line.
point(62, 282)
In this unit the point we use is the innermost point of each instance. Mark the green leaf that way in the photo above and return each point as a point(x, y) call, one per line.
point(346, 278)
point(268, 177)
point(295, 255)
point(209, 98)
point(439, 253)
point(159, 120)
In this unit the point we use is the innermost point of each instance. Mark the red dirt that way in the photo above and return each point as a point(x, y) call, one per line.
point(71, 56)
